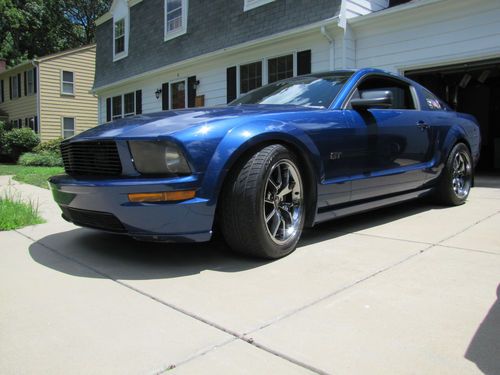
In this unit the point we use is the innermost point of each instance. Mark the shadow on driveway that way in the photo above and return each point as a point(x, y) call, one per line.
point(484, 349)
point(127, 259)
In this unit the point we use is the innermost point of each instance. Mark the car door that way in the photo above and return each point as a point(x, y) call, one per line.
point(391, 144)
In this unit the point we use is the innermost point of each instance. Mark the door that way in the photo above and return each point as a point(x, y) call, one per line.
point(391, 144)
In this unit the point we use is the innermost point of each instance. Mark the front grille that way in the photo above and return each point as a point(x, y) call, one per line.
point(93, 219)
point(91, 158)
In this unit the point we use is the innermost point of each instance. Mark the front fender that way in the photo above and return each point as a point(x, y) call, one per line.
point(243, 138)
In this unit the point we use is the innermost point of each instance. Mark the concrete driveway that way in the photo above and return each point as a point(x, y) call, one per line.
point(407, 289)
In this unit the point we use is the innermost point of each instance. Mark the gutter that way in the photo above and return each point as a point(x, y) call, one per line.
point(217, 53)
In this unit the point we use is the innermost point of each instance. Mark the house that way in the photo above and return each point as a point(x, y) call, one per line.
point(51, 94)
point(155, 55)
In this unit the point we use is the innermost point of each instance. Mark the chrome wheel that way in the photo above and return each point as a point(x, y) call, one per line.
point(283, 202)
point(461, 174)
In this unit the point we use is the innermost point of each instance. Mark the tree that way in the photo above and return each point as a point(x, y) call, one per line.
point(31, 28)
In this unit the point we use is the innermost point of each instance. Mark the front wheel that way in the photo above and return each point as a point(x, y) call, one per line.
point(456, 178)
point(263, 210)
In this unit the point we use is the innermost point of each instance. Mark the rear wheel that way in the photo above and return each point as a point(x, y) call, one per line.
point(263, 211)
point(456, 178)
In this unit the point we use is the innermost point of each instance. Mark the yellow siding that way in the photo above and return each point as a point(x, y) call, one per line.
point(54, 105)
point(22, 107)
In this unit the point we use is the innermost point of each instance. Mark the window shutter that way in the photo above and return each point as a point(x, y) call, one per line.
point(36, 124)
point(108, 109)
point(2, 98)
point(19, 85)
point(10, 88)
point(138, 102)
point(304, 62)
point(34, 80)
point(25, 84)
point(231, 84)
point(26, 124)
point(191, 92)
point(164, 97)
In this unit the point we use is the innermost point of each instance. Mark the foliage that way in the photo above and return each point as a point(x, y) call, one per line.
point(30, 28)
point(51, 146)
point(17, 141)
point(37, 176)
point(16, 212)
point(41, 159)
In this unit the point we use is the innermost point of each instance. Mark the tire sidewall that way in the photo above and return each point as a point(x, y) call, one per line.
point(446, 182)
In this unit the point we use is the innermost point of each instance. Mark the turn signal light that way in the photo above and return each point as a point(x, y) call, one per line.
point(180, 195)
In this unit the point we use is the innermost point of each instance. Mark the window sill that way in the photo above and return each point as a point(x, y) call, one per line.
point(67, 94)
point(255, 4)
point(120, 56)
point(174, 34)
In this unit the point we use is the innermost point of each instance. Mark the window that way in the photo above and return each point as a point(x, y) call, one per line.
point(432, 102)
point(117, 107)
point(67, 84)
point(175, 18)
point(280, 68)
point(119, 37)
point(129, 104)
point(402, 96)
point(15, 82)
point(250, 76)
point(250, 4)
point(68, 127)
point(30, 82)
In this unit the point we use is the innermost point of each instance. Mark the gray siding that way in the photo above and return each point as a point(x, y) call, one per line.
point(212, 25)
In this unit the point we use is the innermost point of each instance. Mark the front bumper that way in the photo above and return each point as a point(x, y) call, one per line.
point(104, 204)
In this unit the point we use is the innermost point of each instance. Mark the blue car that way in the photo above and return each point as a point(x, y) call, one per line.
point(285, 156)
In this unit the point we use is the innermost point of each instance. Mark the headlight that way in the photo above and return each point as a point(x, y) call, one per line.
point(162, 157)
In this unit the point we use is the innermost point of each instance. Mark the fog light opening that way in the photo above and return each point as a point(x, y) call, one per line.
point(165, 196)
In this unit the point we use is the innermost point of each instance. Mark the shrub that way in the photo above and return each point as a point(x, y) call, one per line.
point(41, 159)
point(18, 141)
point(50, 146)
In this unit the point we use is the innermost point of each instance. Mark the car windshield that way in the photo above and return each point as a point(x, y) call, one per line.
point(310, 91)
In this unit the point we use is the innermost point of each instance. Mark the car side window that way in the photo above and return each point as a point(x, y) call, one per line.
point(402, 97)
point(432, 102)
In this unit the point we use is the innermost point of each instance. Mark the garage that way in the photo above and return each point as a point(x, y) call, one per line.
point(472, 87)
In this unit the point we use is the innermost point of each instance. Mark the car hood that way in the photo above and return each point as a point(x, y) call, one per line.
point(169, 123)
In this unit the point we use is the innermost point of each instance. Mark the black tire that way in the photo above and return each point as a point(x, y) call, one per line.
point(246, 200)
point(454, 185)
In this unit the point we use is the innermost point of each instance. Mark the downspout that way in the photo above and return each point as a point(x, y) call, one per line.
point(36, 64)
point(331, 42)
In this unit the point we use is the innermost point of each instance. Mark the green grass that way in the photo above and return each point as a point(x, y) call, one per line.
point(30, 175)
point(16, 213)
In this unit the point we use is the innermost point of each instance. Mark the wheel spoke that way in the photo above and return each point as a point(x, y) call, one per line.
point(277, 226)
point(271, 214)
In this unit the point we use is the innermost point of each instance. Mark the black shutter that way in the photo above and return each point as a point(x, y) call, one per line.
point(231, 83)
point(2, 98)
point(34, 80)
point(25, 84)
point(108, 109)
point(138, 102)
point(36, 124)
point(191, 92)
point(19, 85)
point(26, 124)
point(10, 88)
point(164, 97)
point(304, 62)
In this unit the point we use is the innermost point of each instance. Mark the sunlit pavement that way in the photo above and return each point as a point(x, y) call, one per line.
point(407, 289)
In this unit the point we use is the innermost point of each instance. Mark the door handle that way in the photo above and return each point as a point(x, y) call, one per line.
point(422, 125)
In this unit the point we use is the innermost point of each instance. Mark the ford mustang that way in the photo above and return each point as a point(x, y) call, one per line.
point(290, 154)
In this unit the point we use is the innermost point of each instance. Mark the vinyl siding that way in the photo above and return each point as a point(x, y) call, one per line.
point(440, 33)
point(212, 73)
point(54, 105)
point(21, 107)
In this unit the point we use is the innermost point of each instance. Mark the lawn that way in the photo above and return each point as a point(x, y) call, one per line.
point(16, 213)
point(30, 175)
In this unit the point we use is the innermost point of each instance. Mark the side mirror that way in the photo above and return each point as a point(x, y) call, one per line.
point(372, 98)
